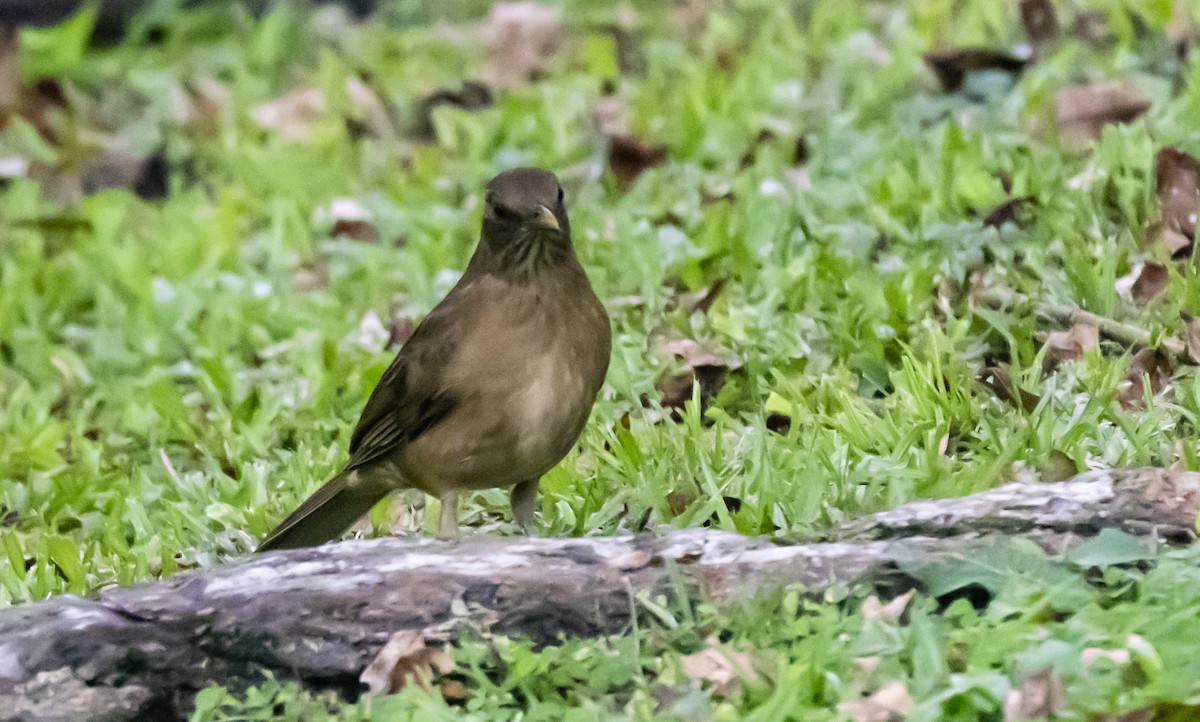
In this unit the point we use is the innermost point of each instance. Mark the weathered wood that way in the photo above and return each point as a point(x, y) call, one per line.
point(320, 615)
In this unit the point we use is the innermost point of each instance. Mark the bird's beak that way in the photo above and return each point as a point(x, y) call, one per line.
point(545, 220)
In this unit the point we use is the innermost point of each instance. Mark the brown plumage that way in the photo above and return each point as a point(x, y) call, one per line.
point(495, 385)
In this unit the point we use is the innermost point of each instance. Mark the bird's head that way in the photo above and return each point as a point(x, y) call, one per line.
point(524, 219)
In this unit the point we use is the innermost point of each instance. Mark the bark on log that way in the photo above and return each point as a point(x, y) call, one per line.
point(321, 615)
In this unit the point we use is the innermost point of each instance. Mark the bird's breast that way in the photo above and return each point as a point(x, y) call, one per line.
point(525, 375)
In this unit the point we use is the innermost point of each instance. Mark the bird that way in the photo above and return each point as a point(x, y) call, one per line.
point(495, 385)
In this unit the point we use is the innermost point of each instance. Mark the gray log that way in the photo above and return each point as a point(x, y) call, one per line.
point(320, 615)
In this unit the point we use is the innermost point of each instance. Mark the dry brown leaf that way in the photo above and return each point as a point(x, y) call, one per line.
point(349, 218)
point(1177, 180)
point(866, 665)
point(1148, 365)
point(1091, 655)
point(999, 380)
point(1082, 111)
point(1159, 235)
point(1039, 696)
point(1144, 283)
point(778, 422)
point(872, 608)
point(695, 355)
point(953, 66)
point(1070, 345)
point(889, 704)
point(121, 167)
point(207, 102)
point(611, 115)
point(521, 37)
point(1191, 336)
point(629, 156)
point(291, 115)
point(699, 301)
point(1091, 26)
point(472, 96)
point(726, 670)
point(1040, 21)
point(310, 277)
point(10, 85)
point(407, 659)
point(701, 365)
point(1013, 210)
point(367, 113)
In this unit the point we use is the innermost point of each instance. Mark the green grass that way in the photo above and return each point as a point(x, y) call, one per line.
point(176, 375)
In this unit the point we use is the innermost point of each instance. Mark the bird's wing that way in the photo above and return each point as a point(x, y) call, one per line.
point(410, 396)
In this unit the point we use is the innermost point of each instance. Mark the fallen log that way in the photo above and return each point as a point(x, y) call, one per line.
point(320, 616)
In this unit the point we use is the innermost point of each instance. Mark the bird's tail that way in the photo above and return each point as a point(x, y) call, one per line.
point(324, 515)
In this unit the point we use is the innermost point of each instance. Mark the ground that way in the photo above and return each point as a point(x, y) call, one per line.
point(216, 231)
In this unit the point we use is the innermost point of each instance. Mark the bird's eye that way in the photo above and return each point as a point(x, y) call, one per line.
point(504, 213)
point(560, 194)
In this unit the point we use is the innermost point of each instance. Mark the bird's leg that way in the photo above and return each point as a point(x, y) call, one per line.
point(522, 498)
point(448, 520)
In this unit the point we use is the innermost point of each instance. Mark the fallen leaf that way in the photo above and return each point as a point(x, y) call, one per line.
point(695, 355)
point(889, 704)
point(1191, 336)
point(725, 670)
point(611, 115)
point(1147, 366)
point(1039, 696)
point(701, 366)
point(1013, 210)
point(208, 101)
point(999, 380)
point(1160, 235)
point(1040, 21)
point(629, 156)
point(1082, 111)
point(1177, 181)
point(778, 422)
point(1091, 655)
point(1091, 26)
point(121, 167)
point(1070, 345)
point(867, 665)
point(367, 113)
point(689, 18)
point(521, 37)
point(1144, 283)
point(10, 75)
point(293, 114)
point(699, 301)
point(872, 608)
point(471, 97)
point(953, 66)
point(407, 659)
point(310, 277)
point(349, 218)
